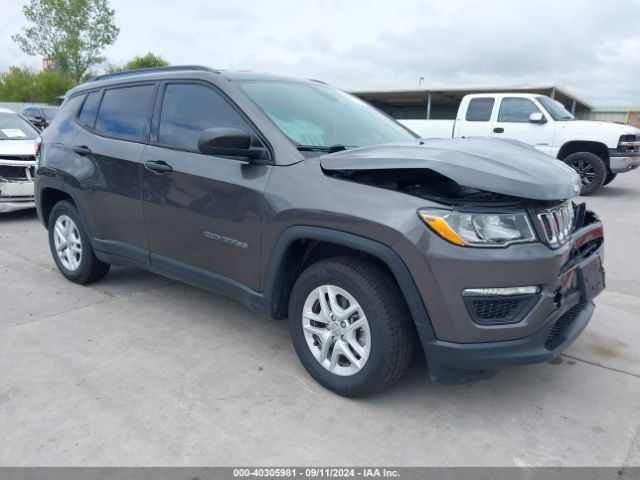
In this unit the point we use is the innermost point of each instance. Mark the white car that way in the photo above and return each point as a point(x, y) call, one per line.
point(598, 151)
point(17, 161)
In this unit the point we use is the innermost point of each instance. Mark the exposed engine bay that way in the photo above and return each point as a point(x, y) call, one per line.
point(433, 186)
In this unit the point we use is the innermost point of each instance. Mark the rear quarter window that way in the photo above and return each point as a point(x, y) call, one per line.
point(125, 112)
point(87, 115)
point(479, 109)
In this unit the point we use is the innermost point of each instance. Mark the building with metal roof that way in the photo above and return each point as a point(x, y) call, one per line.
point(442, 103)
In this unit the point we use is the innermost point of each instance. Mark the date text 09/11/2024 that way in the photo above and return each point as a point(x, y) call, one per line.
point(316, 472)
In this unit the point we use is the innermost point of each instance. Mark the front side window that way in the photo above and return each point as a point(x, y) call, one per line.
point(188, 110)
point(479, 109)
point(516, 110)
point(320, 116)
point(124, 112)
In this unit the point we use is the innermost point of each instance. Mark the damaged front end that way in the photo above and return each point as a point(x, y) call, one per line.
point(514, 280)
point(483, 192)
point(16, 182)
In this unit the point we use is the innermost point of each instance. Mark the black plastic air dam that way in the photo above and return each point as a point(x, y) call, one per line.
point(452, 363)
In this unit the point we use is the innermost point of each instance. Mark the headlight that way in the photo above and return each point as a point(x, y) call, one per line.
point(480, 229)
point(629, 143)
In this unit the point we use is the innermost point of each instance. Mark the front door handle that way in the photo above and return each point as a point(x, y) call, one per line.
point(498, 130)
point(82, 150)
point(158, 166)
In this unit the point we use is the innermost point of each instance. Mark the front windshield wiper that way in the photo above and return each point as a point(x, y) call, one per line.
point(322, 148)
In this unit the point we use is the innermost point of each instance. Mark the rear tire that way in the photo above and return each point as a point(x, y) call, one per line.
point(369, 359)
point(609, 178)
point(70, 246)
point(591, 169)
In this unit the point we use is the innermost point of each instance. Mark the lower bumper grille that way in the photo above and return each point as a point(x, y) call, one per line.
point(556, 336)
point(498, 310)
point(495, 309)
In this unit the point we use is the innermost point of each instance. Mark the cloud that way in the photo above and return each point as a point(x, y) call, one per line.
point(381, 44)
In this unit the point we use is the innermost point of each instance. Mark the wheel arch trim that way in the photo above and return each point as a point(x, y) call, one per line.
point(597, 148)
point(382, 252)
point(49, 183)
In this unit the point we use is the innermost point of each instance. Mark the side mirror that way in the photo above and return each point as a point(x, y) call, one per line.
point(228, 142)
point(537, 117)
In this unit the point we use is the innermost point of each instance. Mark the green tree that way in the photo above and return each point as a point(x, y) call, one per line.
point(71, 32)
point(50, 85)
point(22, 84)
point(149, 60)
point(17, 85)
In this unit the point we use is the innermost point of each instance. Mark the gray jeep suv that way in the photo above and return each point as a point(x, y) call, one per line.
point(305, 203)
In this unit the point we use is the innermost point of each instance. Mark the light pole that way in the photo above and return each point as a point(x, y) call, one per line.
point(420, 79)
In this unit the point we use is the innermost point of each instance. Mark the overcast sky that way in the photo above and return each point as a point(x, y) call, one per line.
point(591, 47)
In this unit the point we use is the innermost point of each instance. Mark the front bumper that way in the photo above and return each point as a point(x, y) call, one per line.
point(621, 162)
point(461, 363)
point(459, 349)
point(17, 191)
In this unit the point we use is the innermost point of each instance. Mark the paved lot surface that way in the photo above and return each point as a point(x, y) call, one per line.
point(139, 370)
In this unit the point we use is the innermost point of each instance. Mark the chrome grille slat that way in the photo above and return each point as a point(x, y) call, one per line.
point(557, 224)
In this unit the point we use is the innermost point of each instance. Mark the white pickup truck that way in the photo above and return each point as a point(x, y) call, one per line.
point(596, 150)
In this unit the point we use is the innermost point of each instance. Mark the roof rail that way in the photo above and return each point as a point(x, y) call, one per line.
point(153, 70)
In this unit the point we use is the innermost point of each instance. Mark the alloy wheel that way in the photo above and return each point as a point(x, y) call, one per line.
point(67, 241)
point(585, 170)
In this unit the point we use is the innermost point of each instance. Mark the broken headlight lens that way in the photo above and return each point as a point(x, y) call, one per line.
point(480, 229)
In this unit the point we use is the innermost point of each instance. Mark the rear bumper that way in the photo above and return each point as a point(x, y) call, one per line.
point(621, 164)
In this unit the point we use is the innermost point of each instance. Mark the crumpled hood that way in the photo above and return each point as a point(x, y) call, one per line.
point(9, 148)
point(506, 167)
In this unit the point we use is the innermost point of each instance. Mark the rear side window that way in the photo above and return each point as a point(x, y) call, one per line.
point(124, 112)
point(188, 110)
point(479, 109)
point(87, 114)
point(516, 110)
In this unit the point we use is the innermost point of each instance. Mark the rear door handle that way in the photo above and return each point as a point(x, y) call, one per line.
point(82, 150)
point(498, 130)
point(158, 166)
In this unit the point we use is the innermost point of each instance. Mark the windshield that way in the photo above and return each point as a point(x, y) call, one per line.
point(555, 109)
point(14, 127)
point(316, 115)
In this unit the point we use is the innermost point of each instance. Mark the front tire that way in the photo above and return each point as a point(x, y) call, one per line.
point(70, 246)
point(591, 169)
point(609, 178)
point(350, 326)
